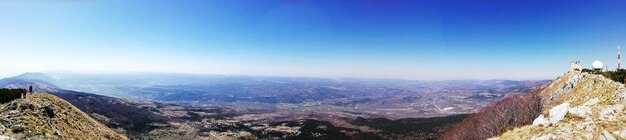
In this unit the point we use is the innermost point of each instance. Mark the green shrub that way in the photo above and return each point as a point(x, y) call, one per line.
point(7, 95)
point(617, 75)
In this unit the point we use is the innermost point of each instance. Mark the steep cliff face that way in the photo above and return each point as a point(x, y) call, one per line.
point(578, 106)
point(45, 116)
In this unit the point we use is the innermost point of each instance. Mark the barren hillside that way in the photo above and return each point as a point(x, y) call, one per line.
point(45, 116)
point(578, 106)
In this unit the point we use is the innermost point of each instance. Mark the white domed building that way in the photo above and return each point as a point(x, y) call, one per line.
point(597, 65)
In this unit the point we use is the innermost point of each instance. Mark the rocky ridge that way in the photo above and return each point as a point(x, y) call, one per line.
point(45, 116)
point(578, 106)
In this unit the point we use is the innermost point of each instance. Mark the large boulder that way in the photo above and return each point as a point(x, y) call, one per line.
point(49, 111)
point(581, 111)
point(3, 137)
point(541, 120)
point(558, 112)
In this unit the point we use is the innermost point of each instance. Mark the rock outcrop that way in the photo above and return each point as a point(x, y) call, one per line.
point(45, 116)
point(558, 113)
point(541, 120)
point(579, 106)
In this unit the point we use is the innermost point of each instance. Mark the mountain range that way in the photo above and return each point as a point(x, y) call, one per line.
point(174, 106)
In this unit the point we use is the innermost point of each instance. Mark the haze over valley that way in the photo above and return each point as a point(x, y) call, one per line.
point(312, 70)
point(343, 103)
point(382, 97)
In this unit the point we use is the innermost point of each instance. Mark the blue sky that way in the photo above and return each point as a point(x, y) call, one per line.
point(412, 39)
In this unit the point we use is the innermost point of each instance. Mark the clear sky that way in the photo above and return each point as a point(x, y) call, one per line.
point(412, 39)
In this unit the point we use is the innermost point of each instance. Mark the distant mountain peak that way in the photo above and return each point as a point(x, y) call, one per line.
point(35, 75)
point(38, 85)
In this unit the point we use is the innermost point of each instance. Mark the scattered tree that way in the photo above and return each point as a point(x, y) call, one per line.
point(618, 75)
point(506, 114)
point(7, 95)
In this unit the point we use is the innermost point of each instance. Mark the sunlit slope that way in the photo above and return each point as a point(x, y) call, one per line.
point(578, 106)
point(45, 116)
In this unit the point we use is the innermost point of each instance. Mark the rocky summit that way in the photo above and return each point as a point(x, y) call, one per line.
point(578, 106)
point(45, 116)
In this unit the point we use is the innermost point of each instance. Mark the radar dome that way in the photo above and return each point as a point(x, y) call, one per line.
point(597, 65)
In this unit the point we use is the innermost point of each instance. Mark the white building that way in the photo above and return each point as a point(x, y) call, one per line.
point(575, 66)
point(597, 65)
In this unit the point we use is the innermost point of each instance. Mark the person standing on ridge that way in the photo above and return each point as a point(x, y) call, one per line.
point(24, 93)
point(30, 89)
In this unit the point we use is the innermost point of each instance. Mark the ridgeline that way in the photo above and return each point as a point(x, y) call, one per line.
point(574, 106)
point(45, 116)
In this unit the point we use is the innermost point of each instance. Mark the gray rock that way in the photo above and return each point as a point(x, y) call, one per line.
point(558, 113)
point(591, 102)
point(33, 106)
point(541, 120)
point(581, 111)
point(607, 135)
point(5, 122)
point(23, 106)
point(544, 137)
point(18, 128)
point(3, 137)
point(569, 85)
point(49, 111)
point(14, 112)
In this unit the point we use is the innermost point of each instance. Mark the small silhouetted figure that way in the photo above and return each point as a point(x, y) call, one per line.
point(24, 93)
point(30, 89)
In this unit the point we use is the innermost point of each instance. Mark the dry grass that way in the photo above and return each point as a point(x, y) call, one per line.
point(70, 122)
point(526, 132)
point(593, 86)
point(587, 88)
point(558, 83)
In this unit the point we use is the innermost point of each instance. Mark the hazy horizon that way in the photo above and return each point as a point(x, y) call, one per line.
point(414, 40)
point(70, 72)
